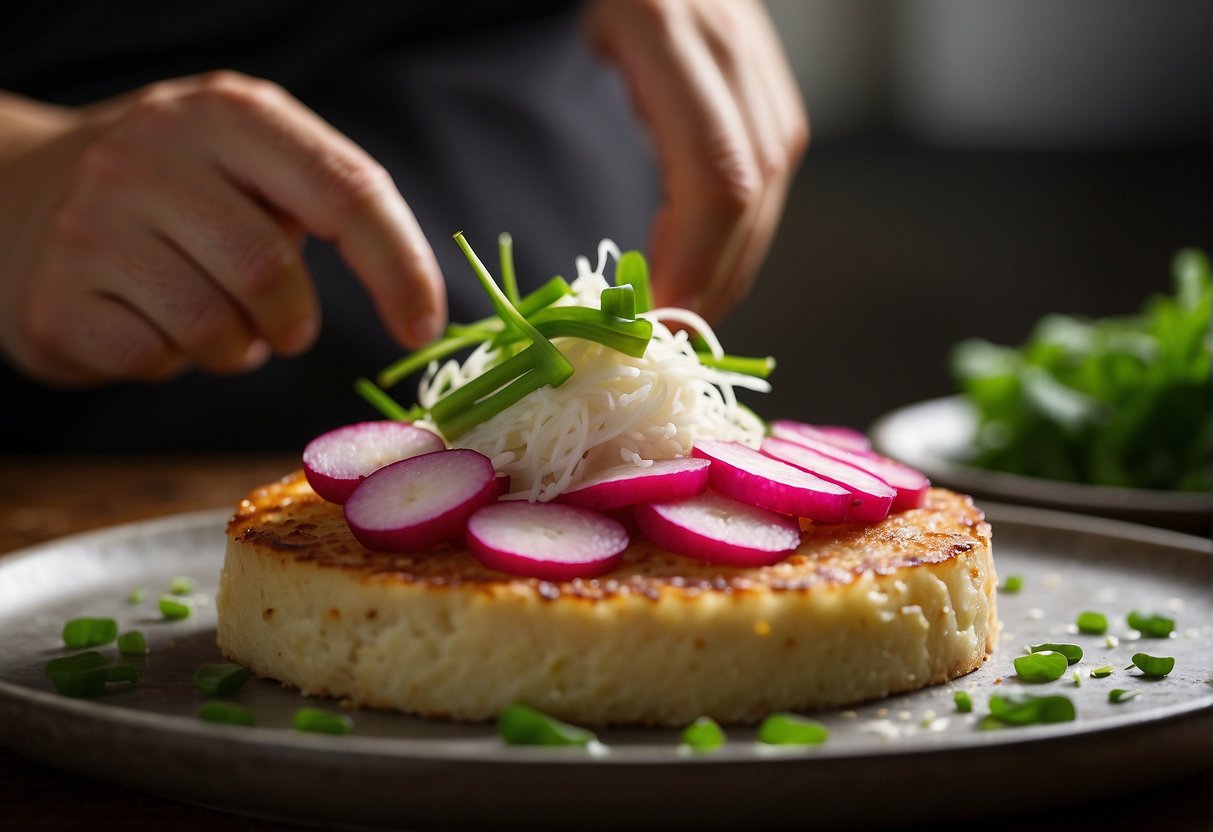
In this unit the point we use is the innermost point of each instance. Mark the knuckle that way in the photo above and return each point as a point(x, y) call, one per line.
point(356, 184)
point(261, 264)
point(134, 352)
point(240, 94)
point(734, 186)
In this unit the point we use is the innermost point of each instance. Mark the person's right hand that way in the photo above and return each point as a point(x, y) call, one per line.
point(163, 229)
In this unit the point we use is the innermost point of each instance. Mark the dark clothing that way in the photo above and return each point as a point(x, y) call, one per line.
point(491, 116)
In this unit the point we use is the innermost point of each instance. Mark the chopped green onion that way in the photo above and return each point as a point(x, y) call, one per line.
point(1119, 695)
point(318, 721)
point(964, 703)
point(1154, 667)
point(619, 301)
point(791, 729)
point(1072, 652)
point(1101, 671)
point(524, 725)
point(1077, 677)
point(1045, 666)
point(173, 609)
point(633, 270)
point(89, 632)
point(1012, 584)
point(137, 596)
point(1151, 626)
point(181, 585)
point(227, 713)
point(628, 337)
point(1092, 623)
point(382, 402)
point(704, 734)
point(220, 678)
point(1026, 709)
point(505, 256)
point(760, 366)
point(132, 644)
point(86, 674)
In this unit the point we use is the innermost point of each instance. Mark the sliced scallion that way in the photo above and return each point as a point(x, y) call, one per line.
point(227, 713)
point(1092, 623)
point(964, 702)
point(220, 678)
point(758, 366)
point(132, 644)
point(1154, 667)
point(1012, 584)
point(320, 721)
point(181, 585)
point(1119, 695)
point(89, 632)
point(1046, 666)
point(86, 674)
point(505, 257)
point(1151, 626)
point(137, 596)
point(1102, 671)
point(173, 609)
point(384, 403)
point(633, 270)
point(791, 729)
point(619, 301)
point(523, 725)
point(1026, 709)
point(704, 734)
point(1072, 652)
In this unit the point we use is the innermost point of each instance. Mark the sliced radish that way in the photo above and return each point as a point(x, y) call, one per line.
point(843, 437)
point(335, 462)
point(628, 484)
point(545, 540)
point(748, 476)
point(871, 496)
point(719, 529)
point(503, 483)
point(421, 501)
point(911, 485)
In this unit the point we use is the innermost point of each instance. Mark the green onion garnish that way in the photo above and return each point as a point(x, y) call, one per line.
point(1026, 709)
point(318, 721)
point(220, 678)
point(1012, 584)
point(382, 402)
point(181, 585)
point(524, 725)
point(633, 270)
point(619, 301)
point(1077, 677)
point(132, 644)
point(86, 674)
point(227, 713)
point(759, 366)
point(964, 703)
point(1092, 623)
point(89, 632)
point(505, 257)
point(704, 734)
point(173, 609)
point(137, 596)
point(1072, 652)
point(1154, 667)
point(1045, 666)
point(1101, 671)
point(1151, 626)
point(791, 729)
point(1119, 695)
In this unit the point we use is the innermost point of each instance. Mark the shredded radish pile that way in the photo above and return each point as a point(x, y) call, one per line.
point(613, 409)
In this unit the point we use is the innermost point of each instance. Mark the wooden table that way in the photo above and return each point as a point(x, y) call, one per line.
point(46, 498)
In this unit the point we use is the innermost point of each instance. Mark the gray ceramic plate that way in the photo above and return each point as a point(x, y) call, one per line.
point(936, 437)
point(916, 753)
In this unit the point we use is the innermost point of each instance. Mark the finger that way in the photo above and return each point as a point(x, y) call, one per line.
point(271, 144)
point(114, 341)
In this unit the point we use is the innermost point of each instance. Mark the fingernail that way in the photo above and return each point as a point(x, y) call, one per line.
point(257, 354)
point(423, 329)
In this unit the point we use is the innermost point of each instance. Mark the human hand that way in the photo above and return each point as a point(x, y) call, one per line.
point(163, 229)
point(710, 80)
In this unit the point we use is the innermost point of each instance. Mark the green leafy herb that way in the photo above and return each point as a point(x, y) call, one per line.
point(1026, 709)
point(1012, 584)
point(964, 703)
point(523, 725)
point(227, 713)
point(181, 585)
point(1072, 652)
point(1154, 667)
point(1102, 671)
point(1045, 666)
point(791, 729)
point(89, 632)
point(173, 609)
point(86, 674)
point(1119, 695)
point(704, 734)
point(319, 721)
point(220, 678)
point(1122, 401)
point(1092, 623)
point(132, 644)
point(1151, 626)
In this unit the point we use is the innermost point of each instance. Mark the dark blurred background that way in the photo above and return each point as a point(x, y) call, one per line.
point(975, 164)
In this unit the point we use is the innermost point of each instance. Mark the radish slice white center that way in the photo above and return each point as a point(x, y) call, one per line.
point(335, 462)
point(545, 540)
point(871, 496)
point(718, 529)
point(748, 476)
point(628, 484)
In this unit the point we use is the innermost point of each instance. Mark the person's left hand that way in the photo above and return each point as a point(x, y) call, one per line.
point(711, 81)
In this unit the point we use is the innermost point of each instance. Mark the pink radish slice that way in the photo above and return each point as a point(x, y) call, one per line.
point(911, 485)
point(545, 540)
point(503, 483)
point(748, 476)
point(628, 484)
point(843, 437)
point(871, 496)
point(421, 501)
point(719, 529)
point(335, 462)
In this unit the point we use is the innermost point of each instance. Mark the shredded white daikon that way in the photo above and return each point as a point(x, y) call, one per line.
point(613, 409)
